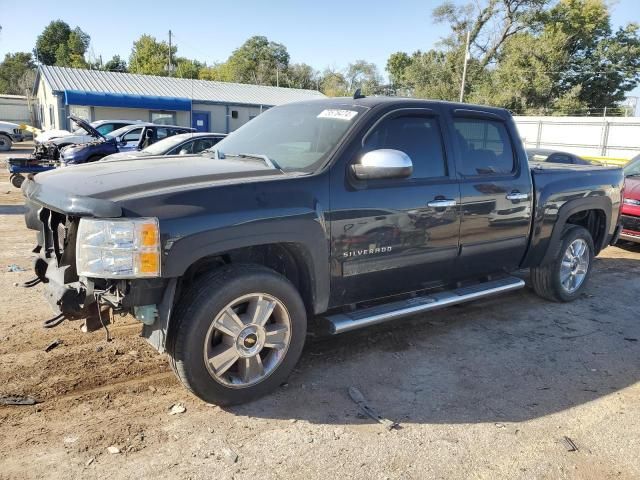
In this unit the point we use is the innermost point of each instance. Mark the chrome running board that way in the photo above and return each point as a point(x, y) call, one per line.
point(345, 322)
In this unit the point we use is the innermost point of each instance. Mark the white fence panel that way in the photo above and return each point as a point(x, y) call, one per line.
point(611, 137)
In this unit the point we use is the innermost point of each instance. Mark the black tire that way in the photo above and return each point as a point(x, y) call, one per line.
point(17, 180)
point(5, 143)
point(203, 302)
point(546, 279)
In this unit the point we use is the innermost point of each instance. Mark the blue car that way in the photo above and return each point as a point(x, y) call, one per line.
point(126, 139)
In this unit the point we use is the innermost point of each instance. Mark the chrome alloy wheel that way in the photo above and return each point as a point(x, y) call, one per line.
point(574, 266)
point(247, 340)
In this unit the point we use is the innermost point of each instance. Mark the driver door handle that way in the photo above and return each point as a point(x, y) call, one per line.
point(442, 203)
point(516, 195)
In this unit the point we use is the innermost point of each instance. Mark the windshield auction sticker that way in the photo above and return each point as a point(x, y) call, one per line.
point(338, 114)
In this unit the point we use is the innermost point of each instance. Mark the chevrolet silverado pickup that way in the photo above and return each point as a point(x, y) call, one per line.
point(348, 212)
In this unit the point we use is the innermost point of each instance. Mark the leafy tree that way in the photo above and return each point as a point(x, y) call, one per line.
point(59, 45)
point(397, 65)
point(334, 84)
point(71, 53)
point(526, 56)
point(364, 75)
point(301, 75)
point(186, 68)
point(116, 64)
point(151, 57)
point(603, 64)
point(13, 70)
point(258, 61)
point(220, 72)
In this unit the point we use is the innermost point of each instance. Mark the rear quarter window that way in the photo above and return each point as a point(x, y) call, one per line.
point(484, 146)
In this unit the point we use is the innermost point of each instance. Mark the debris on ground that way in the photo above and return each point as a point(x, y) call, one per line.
point(90, 461)
point(177, 408)
point(357, 396)
point(53, 345)
point(18, 400)
point(113, 450)
point(13, 268)
point(631, 339)
point(569, 444)
point(229, 455)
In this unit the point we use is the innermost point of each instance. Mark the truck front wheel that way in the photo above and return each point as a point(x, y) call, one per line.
point(5, 143)
point(238, 334)
point(564, 278)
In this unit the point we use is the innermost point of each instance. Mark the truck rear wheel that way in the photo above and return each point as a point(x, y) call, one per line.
point(564, 279)
point(238, 334)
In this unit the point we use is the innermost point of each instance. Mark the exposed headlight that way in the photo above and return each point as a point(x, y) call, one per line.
point(631, 201)
point(118, 248)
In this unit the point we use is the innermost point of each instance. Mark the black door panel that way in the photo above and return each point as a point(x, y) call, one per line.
point(397, 235)
point(496, 197)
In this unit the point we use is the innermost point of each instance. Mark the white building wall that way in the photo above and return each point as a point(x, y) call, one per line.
point(47, 111)
point(616, 137)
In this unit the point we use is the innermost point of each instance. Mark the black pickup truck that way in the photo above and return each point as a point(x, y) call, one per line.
point(348, 212)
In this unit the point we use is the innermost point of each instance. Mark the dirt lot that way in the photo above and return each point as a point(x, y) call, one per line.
point(487, 390)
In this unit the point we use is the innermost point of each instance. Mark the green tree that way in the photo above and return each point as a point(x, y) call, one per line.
point(301, 75)
point(397, 65)
point(59, 45)
point(605, 65)
point(71, 53)
point(220, 72)
point(186, 68)
point(116, 64)
point(13, 70)
point(364, 75)
point(151, 57)
point(258, 61)
point(334, 84)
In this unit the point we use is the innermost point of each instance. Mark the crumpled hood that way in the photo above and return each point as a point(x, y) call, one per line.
point(51, 134)
point(119, 180)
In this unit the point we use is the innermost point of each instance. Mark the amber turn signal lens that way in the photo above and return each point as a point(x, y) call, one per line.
point(149, 235)
point(149, 262)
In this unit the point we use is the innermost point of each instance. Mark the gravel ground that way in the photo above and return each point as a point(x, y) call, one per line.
point(486, 390)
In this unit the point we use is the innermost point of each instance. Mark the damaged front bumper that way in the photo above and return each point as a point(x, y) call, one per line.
point(55, 216)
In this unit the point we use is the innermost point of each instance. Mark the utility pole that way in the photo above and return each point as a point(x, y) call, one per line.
point(464, 68)
point(170, 64)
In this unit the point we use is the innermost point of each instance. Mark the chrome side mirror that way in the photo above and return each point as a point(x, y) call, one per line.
point(383, 163)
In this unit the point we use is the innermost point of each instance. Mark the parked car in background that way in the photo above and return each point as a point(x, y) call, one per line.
point(554, 156)
point(9, 133)
point(62, 138)
point(182, 144)
point(126, 139)
point(631, 204)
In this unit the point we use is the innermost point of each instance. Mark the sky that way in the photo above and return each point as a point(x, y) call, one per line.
point(330, 33)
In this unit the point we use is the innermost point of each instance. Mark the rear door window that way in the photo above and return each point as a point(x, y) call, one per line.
point(484, 146)
point(133, 135)
point(416, 135)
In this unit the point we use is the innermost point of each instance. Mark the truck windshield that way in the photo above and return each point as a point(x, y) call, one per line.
point(296, 136)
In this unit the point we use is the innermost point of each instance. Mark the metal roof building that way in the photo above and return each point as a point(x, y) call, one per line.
point(205, 105)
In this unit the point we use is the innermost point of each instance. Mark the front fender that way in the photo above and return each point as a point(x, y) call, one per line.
point(306, 229)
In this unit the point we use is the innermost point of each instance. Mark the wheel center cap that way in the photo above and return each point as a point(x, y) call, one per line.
point(250, 341)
